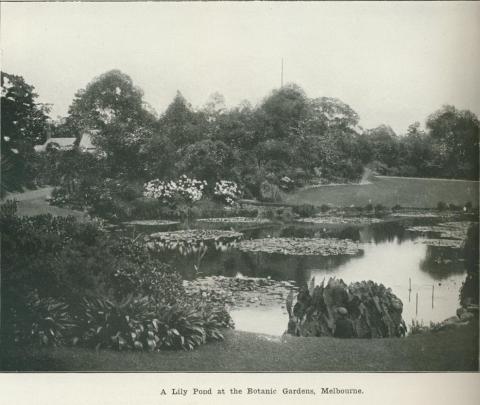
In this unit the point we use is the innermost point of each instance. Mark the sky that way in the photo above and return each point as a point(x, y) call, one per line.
point(393, 63)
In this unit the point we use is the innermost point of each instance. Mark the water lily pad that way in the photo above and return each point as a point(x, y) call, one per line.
point(451, 234)
point(240, 291)
point(196, 235)
point(236, 220)
point(301, 246)
point(447, 243)
point(151, 222)
point(418, 214)
point(447, 230)
point(340, 220)
point(193, 241)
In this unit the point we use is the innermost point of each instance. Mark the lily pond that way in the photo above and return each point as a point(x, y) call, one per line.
point(419, 257)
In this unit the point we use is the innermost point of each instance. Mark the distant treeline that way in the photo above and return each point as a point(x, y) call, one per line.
point(287, 140)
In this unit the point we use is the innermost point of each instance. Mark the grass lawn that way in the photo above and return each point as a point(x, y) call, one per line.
point(33, 202)
point(451, 350)
point(390, 191)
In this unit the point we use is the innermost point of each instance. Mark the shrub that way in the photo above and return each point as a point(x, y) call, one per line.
point(67, 260)
point(155, 280)
point(54, 270)
point(325, 208)
point(183, 190)
point(270, 192)
point(226, 191)
point(42, 322)
point(140, 324)
point(148, 208)
point(284, 214)
point(396, 207)
point(59, 197)
point(369, 207)
point(304, 210)
point(8, 208)
point(441, 206)
point(287, 184)
point(316, 311)
point(469, 291)
point(417, 328)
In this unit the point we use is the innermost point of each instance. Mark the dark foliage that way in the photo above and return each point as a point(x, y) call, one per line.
point(23, 125)
point(304, 210)
point(469, 292)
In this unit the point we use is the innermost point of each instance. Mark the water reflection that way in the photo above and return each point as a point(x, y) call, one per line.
point(385, 232)
point(442, 262)
point(391, 256)
point(398, 266)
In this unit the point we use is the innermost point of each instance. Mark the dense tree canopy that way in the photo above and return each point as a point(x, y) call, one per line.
point(287, 135)
point(23, 125)
point(181, 124)
point(112, 110)
point(455, 134)
point(107, 99)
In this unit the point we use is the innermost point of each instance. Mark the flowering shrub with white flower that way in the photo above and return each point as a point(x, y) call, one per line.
point(184, 189)
point(227, 191)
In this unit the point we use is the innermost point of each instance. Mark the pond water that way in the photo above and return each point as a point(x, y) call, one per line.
point(391, 255)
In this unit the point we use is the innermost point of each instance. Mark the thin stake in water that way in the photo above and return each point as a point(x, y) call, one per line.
point(409, 288)
point(416, 305)
point(433, 293)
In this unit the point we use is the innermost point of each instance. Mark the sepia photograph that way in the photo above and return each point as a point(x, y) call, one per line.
point(240, 187)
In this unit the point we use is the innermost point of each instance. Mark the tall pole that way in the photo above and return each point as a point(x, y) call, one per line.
point(281, 77)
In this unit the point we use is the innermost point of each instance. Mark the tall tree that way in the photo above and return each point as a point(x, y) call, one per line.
point(456, 135)
point(384, 143)
point(281, 113)
point(112, 109)
point(208, 160)
point(181, 124)
point(110, 97)
point(416, 157)
point(23, 125)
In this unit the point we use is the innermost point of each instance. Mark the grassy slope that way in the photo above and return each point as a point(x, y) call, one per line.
point(390, 191)
point(451, 350)
point(33, 202)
